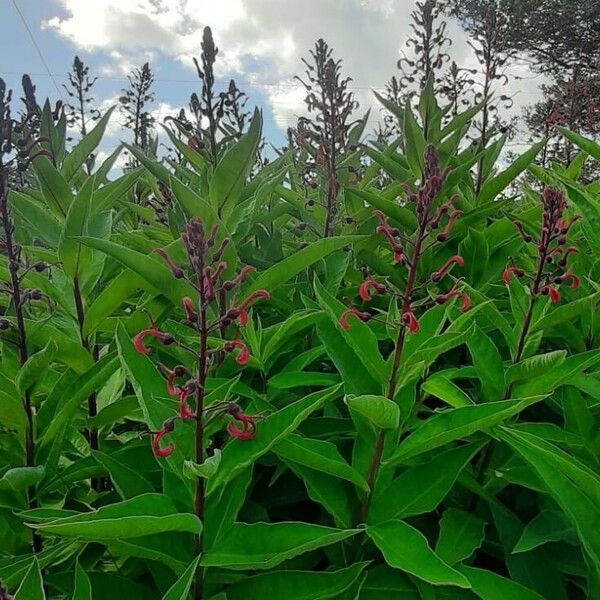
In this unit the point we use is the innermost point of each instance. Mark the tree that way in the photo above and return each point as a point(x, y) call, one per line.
point(557, 34)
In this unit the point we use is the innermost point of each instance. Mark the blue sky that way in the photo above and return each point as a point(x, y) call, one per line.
point(261, 43)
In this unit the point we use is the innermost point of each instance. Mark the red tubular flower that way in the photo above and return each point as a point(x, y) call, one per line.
point(511, 270)
point(255, 296)
point(343, 320)
point(442, 237)
point(185, 410)
point(138, 340)
point(552, 292)
point(175, 269)
point(454, 260)
point(248, 429)
point(366, 285)
point(168, 427)
point(570, 250)
point(409, 319)
point(575, 281)
point(243, 355)
point(466, 300)
point(526, 237)
point(190, 313)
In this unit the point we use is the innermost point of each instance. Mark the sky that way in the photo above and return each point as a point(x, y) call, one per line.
point(261, 43)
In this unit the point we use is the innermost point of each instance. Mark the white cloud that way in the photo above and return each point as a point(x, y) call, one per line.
point(260, 41)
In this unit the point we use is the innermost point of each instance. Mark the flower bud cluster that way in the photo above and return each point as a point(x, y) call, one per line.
point(206, 274)
point(407, 251)
point(552, 252)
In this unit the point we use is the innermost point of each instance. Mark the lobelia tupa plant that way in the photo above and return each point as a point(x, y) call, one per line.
point(18, 148)
point(420, 292)
point(207, 314)
point(551, 269)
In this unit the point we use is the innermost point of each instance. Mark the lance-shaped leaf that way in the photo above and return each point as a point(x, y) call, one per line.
point(32, 586)
point(181, 588)
point(319, 455)
point(406, 548)
point(266, 545)
point(150, 268)
point(142, 515)
point(296, 585)
point(84, 148)
point(239, 454)
point(574, 486)
point(457, 423)
point(380, 411)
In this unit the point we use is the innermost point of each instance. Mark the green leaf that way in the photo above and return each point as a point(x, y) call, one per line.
point(289, 267)
point(288, 379)
point(588, 146)
point(55, 189)
point(443, 388)
point(35, 367)
point(266, 545)
point(142, 515)
point(149, 268)
point(566, 312)
point(359, 336)
point(296, 585)
point(560, 375)
point(546, 526)
point(239, 454)
point(83, 588)
point(406, 548)
point(574, 486)
point(534, 366)
point(319, 455)
point(496, 185)
point(205, 470)
point(457, 423)
point(127, 481)
point(491, 586)
point(380, 411)
point(488, 364)
point(415, 142)
point(32, 586)
point(20, 478)
point(420, 488)
point(69, 248)
point(152, 166)
point(461, 533)
point(41, 221)
point(181, 588)
point(230, 173)
point(82, 151)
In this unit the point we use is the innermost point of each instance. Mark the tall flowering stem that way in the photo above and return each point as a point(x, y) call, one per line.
point(552, 269)
point(418, 293)
point(213, 310)
point(17, 150)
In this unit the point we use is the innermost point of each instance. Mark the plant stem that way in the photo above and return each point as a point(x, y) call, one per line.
point(92, 433)
point(13, 267)
point(393, 380)
point(199, 434)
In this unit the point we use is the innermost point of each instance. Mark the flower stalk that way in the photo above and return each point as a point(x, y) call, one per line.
point(205, 274)
point(407, 253)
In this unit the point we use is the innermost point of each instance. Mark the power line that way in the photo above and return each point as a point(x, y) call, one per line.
point(35, 45)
